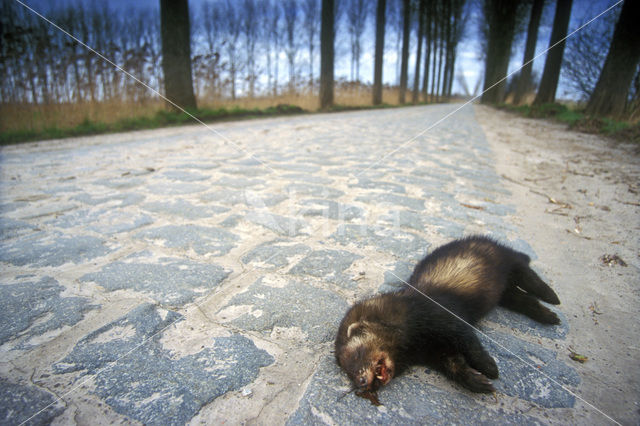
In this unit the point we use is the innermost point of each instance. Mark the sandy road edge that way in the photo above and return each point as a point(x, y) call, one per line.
point(576, 197)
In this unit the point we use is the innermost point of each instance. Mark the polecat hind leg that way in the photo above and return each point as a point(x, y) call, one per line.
point(457, 369)
point(526, 278)
point(517, 300)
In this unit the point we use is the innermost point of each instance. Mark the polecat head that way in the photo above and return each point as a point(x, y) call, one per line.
point(364, 357)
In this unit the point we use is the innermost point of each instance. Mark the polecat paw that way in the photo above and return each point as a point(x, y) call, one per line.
point(476, 381)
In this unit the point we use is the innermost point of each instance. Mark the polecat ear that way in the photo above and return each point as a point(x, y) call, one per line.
point(353, 328)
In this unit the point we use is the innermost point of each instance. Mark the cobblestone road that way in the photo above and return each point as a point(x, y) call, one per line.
point(177, 275)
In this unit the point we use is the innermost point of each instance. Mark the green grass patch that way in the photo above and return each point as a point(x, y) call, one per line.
point(577, 120)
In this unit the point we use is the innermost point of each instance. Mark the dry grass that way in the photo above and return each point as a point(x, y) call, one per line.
point(27, 117)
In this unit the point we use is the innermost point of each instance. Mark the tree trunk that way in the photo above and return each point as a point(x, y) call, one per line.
point(441, 16)
point(326, 54)
point(434, 50)
point(416, 77)
point(501, 17)
point(406, 34)
point(176, 52)
point(551, 73)
point(377, 72)
point(610, 95)
point(427, 57)
point(524, 79)
point(448, 47)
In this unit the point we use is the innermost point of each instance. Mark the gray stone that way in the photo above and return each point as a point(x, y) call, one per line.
point(330, 209)
point(444, 226)
point(540, 382)
point(52, 249)
point(234, 182)
point(276, 253)
point(118, 200)
point(399, 243)
point(281, 225)
point(183, 208)
point(305, 168)
point(328, 265)
point(250, 198)
point(231, 221)
point(10, 228)
point(172, 282)
point(386, 187)
point(395, 280)
point(245, 171)
point(308, 178)
point(294, 305)
point(120, 183)
point(428, 184)
point(20, 404)
point(201, 239)
point(103, 220)
point(408, 399)
point(198, 166)
point(392, 200)
point(30, 309)
point(404, 219)
point(182, 176)
point(176, 188)
point(317, 191)
point(168, 390)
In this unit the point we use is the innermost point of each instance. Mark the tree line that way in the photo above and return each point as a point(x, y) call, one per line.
point(608, 93)
point(216, 49)
point(228, 48)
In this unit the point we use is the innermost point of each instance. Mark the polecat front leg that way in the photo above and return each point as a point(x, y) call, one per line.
point(476, 355)
point(457, 369)
point(465, 360)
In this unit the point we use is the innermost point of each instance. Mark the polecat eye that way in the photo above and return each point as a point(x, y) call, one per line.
point(362, 381)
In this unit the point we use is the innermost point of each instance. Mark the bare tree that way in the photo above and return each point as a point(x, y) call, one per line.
point(553, 63)
point(525, 82)
point(250, 29)
point(212, 67)
point(427, 57)
point(454, 35)
point(232, 25)
point(377, 71)
point(500, 16)
point(610, 95)
point(290, 20)
point(586, 53)
point(416, 77)
point(357, 12)
point(176, 52)
point(274, 37)
point(327, 34)
point(406, 34)
point(311, 14)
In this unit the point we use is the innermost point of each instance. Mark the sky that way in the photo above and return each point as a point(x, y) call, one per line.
point(468, 63)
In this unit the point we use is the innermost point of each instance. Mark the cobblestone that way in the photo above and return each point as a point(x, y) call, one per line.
point(165, 273)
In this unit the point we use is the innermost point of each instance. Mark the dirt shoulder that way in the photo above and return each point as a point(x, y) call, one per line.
point(577, 200)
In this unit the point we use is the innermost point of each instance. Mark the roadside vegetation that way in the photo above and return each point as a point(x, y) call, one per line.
point(576, 118)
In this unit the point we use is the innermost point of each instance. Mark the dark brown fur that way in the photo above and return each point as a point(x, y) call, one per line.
point(382, 335)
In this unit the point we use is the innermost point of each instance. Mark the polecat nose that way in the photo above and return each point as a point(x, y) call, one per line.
point(362, 381)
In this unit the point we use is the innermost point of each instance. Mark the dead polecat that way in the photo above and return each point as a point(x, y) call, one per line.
point(382, 335)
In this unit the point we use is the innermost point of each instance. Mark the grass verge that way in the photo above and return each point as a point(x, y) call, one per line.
point(577, 120)
point(159, 119)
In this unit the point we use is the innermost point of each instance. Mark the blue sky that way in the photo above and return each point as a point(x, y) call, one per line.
point(468, 63)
